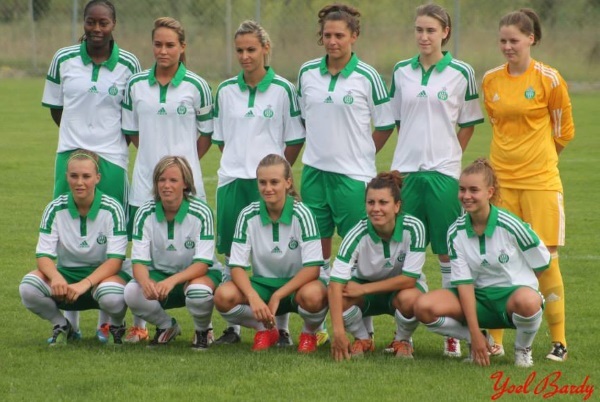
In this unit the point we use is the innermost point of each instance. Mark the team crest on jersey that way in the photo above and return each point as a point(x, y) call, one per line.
point(442, 95)
point(328, 100)
point(293, 244)
point(101, 239)
point(503, 257)
point(348, 99)
point(162, 112)
point(530, 93)
point(268, 112)
point(181, 109)
point(113, 90)
point(401, 257)
point(189, 244)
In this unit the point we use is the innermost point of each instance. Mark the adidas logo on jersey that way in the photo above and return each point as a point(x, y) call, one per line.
point(328, 100)
point(485, 263)
point(162, 112)
point(84, 244)
point(496, 97)
point(276, 250)
point(171, 248)
point(93, 90)
point(388, 264)
point(422, 94)
point(249, 114)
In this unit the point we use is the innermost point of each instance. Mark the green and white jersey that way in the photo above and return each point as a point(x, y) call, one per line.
point(172, 246)
point(429, 105)
point(507, 254)
point(338, 111)
point(276, 249)
point(82, 241)
point(251, 123)
point(167, 119)
point(365, 255)
point(90, 96)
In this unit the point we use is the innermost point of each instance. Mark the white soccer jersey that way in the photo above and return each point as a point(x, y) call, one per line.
point(90, 96)
point(507, 254)
point(365, 255)
point(276, 249)
point(429, 105)
point(82, 241)
point(167, 119)
point(338, 111)
point(251, 123)
point(171, 247)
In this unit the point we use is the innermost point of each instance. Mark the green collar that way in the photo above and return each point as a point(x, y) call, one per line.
point(93, 209)
point(396, 236)
point(175, 81)
point(262, 85)
point(491, 224)
point(179, 217)
point(286, 214)
point(109, 63)
point(346, 71)
point(440, 65)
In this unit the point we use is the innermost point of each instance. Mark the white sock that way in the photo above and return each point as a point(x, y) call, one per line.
point(242, 315)
point(103, 317)
point(283, 321)
point(445, 268)
point(450, 327)
point(527, 328)
point(227, 277)
point(149, 310)
point(35, 294)
point(111, 301)
point(199, 302)
point(138, 322)
point(405, 327)
point(354, 323)
point(312, 321)
point(368, 321)
point(73, 317)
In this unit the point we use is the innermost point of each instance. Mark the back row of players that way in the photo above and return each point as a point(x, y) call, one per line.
point(96, 93)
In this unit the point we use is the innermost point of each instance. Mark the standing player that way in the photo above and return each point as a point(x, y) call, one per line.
point(84, 88)
point(495, 261)
point(431, 94)
point(340, 97)
point(530, 112)
point(84, 230)
point(173, 248)
point(278, 237)
point(256, 113)
point(388, 251)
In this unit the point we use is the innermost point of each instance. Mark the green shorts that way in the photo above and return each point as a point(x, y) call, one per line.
point(231, 199)
point(86, 301)
point(433, 198)
point(113, 179)
point(491, 306)
point(378, 303)
point(177, 296)
point(265, 287)
point(336, 200)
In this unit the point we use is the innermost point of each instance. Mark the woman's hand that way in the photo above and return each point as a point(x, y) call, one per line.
point(353, 289)
point(261, 311)
point(340, 348)
point(274, 303)
point(59, 288)
point(480, 349)
point(77, 289)
point(164, 287)
point(149, 290)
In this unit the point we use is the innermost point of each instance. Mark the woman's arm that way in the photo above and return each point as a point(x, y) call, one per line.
point(479, 346)
point(304, 276)
point(380, 137)
point(400, 282)
point(259, 308)
point(464, 136)
point(110, 267)
point(58, 284)
point(340, 347)
point(196, 270)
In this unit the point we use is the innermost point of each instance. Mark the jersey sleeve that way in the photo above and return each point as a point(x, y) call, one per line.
point(347, 257)
point(301, 99)
point(380, 105)
point(117, 237)
point(241, 246)
point(53, 89)
point(293, 129)
point(533, 248)
point(470, 112)
point(396, 98)
point(460, 274)
point(141, 251)
point(561, 114)
point(204, 111)
point(218, 136)
point(48, 237)
point(205, 244)
point(129, 117)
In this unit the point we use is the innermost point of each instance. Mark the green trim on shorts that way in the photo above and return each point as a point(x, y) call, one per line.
point(86, 301)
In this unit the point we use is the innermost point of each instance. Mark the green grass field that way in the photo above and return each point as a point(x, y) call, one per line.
point(87, 370)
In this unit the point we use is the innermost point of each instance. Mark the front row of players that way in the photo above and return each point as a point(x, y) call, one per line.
point(495, 259)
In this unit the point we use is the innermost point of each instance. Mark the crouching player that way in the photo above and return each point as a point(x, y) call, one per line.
point(388, 251)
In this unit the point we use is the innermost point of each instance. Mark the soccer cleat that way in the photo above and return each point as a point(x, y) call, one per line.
point(263, 340)
point(558, 352)
point(497, 350)
point(229, 337)
point(136, 334)
point(322, 337)
point(285, 339)
point(490, 340)
point(202, 340)
point(60, 334)
point(523, 357)
point(117, 333)
point(73, 336)
point(451, 347)
point(360, 346)
point(166, 335)
point(307, 343)
point(103, 333)
point(403, 349)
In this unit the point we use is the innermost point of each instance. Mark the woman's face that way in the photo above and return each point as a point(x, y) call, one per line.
point(167, 48)
point(473, 193)
point(250, 53)
point(514, 44)
point(171, 186)
point(82, 176)
point(381, 208)
point(429, 35)
point(338, 39)
point(98, 25)
point(272, 185)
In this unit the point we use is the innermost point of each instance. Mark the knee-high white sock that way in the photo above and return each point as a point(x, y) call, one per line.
point(138, 322)
point(149, 310)
point(527, 328)
point(36, 297)
point(73, 317)
point(112, 301)
point(227, 277)
point(405, 327)
point(368, 321)
point(103, 317)
point(283, 321)
point(199, 302)
point(312, 321)
point(242, 315)
point(354, 323)
point(450, 327)
point(445, 268)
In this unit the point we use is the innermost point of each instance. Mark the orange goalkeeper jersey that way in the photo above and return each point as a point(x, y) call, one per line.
point(528, 113)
